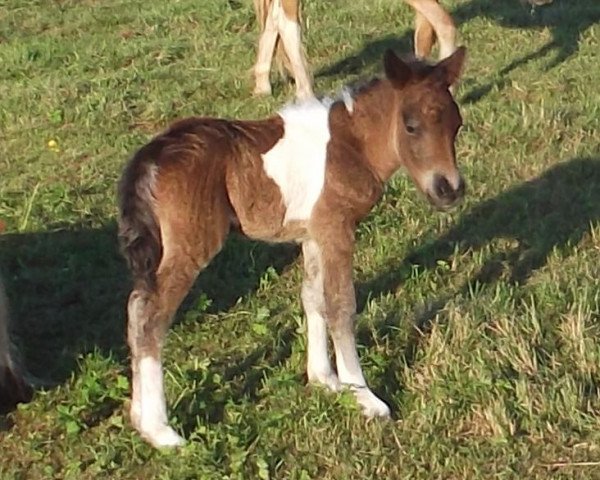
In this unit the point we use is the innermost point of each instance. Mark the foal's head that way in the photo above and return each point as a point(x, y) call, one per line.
point(427, 123)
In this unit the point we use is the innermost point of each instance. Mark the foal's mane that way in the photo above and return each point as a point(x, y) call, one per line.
point(420, 69)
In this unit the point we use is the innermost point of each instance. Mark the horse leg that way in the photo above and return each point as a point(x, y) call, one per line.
point(424, 36)
point(150, 315)
point(266, 47)
point(288, 24)
point(440, 21)
point(313, 299)
point(341, 308)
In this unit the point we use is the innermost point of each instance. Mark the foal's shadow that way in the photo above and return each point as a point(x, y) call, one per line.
point(68, 291)
point(552, 211)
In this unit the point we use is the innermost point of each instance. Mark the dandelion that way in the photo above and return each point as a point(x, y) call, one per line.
point(53, 145)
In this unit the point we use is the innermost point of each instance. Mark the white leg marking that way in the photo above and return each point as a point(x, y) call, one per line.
point(351, 375)
point(318, 365)
point(292, 42)
point(153, 409)
point(264, 56)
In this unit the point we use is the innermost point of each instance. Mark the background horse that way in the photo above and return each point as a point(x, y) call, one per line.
point(280, 29)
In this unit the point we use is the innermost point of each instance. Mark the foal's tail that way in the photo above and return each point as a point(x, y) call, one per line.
point(261, 8)
point(139, 233)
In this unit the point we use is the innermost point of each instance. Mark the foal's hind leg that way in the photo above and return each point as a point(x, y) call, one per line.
point(150, 315)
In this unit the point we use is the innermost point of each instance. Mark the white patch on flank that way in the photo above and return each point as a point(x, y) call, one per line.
point(153, 418)
point(297, 161)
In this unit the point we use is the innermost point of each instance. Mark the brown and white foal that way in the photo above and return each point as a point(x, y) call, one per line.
point(280, 29)
point(306, 175)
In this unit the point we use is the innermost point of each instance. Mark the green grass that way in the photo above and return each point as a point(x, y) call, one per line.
point(480, 328)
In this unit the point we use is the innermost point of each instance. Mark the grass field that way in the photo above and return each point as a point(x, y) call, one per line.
point(481, 328)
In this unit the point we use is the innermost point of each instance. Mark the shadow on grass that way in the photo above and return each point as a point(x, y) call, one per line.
point(239, 379)
point(68, 288)
point(68, 292)
point(370, 55)
point(552, 211)
point(567, 21)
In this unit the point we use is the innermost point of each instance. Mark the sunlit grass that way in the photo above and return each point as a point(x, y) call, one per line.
point(480, 328)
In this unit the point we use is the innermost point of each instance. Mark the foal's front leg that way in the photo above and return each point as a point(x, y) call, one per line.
point(340, 312)
point(318, 366)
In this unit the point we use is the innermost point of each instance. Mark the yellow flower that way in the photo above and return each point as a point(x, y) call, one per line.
point(53, 145)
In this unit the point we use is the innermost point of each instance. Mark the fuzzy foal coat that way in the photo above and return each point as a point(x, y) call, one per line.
point(308, 175)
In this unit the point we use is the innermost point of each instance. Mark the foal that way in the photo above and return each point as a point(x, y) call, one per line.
point(307, 175)
point(280, 27)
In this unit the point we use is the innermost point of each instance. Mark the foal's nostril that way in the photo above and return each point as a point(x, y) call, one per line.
point(442, 187)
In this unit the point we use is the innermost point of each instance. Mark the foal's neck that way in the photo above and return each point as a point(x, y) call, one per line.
point(375, 123)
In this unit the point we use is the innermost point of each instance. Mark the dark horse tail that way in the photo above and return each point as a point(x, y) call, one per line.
point(139, 233)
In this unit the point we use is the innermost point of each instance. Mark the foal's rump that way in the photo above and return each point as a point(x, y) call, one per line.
point(190, 183)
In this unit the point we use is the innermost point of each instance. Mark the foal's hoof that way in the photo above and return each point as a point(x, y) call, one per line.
point(327, 379)
point(162, 436)
point(371, 405)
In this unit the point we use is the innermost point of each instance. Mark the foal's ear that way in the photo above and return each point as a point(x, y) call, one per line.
point(396, 70)
point(449, 69)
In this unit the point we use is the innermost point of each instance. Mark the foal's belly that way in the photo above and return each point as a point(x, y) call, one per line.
point(273, 231)
point(259, 204)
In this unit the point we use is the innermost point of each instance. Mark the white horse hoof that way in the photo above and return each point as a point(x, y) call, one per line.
point(162, 436)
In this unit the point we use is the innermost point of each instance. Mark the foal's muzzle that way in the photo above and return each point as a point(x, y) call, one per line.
point(443, 194)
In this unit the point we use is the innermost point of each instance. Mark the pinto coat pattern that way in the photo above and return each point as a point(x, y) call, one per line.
point(307, 175)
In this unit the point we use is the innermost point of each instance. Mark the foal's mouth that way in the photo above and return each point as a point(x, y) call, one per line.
point(443, 205)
